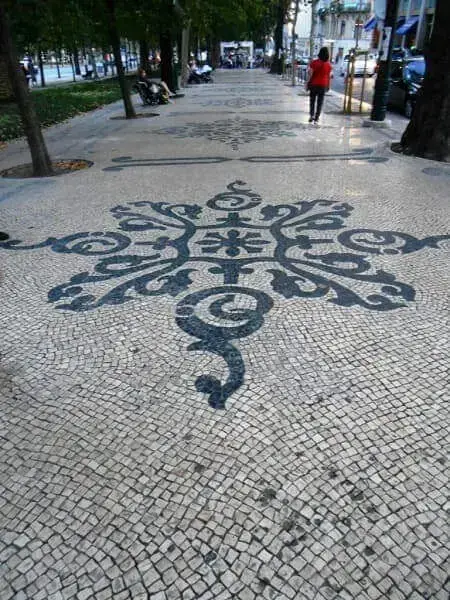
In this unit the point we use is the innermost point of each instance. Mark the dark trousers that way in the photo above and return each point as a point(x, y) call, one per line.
point(316, 92)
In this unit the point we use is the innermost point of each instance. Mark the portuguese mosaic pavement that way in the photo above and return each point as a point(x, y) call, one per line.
point(235, 131)
point(224, 361)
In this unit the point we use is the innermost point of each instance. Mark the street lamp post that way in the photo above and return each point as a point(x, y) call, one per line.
point(381, 93)
point(293, 58)
point(358, 25)
point(421, 26)
point(408, 12)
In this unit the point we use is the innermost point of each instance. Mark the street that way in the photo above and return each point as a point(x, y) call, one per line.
point(338, 85)
point(66, 75)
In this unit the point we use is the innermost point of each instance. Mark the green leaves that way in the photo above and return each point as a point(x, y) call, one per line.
point(231, 19)
point(53, 25)
point(56, 104)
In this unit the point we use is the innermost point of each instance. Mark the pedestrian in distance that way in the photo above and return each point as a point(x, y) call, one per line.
point(319, 74)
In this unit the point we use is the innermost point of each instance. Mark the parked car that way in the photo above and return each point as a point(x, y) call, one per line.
point(362, 67)
point(406, 80)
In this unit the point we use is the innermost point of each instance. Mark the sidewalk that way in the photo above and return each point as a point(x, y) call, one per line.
point(224, 357)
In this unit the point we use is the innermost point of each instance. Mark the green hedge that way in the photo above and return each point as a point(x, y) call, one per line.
point(58, 103)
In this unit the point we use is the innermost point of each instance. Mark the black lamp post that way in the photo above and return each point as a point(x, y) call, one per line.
point(381, 93)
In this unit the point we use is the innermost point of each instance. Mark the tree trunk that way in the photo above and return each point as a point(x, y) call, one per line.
point(277, 62)
point(208, 49)
point(167, 59)
point(196, 47)
point(41, 68)
point(73, 68)
point(76, 61)
point(428, 133)
point(115, 43)
point(215, 54)
point(42, 166)
point(93, 63)
point(185, 54)
point(312, 34)
point(5, 85)
point(144, 51)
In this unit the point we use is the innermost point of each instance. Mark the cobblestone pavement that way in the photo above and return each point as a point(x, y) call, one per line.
point(224, 358)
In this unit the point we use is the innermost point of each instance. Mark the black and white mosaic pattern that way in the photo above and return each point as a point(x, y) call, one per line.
point(285, 240)
point(250, 90)
point(149, 290)
point(358, 156)
point(239, 103)
point(237, 131)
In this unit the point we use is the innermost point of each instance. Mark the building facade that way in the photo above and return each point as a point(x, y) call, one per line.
point(345, 24)
point(303, 29)
point(340, 26)
point(415, 23)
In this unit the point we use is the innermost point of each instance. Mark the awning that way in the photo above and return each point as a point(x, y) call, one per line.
point(409, 24)
point(371, 24)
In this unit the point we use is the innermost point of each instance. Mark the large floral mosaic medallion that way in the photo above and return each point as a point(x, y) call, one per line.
point(300, 250)
point(236, 131)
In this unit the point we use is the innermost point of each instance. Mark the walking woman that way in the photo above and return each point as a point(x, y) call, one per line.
point(318, 83)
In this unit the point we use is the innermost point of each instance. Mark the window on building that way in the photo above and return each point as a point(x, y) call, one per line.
point(342, 33)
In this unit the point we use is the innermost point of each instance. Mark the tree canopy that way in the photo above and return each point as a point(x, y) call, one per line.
point(78, 23)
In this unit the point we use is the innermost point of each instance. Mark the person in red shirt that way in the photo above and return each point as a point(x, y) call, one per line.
point(318, 83)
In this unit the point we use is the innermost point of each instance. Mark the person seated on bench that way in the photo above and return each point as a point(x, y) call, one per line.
point(193, 74)
point(165, 92)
